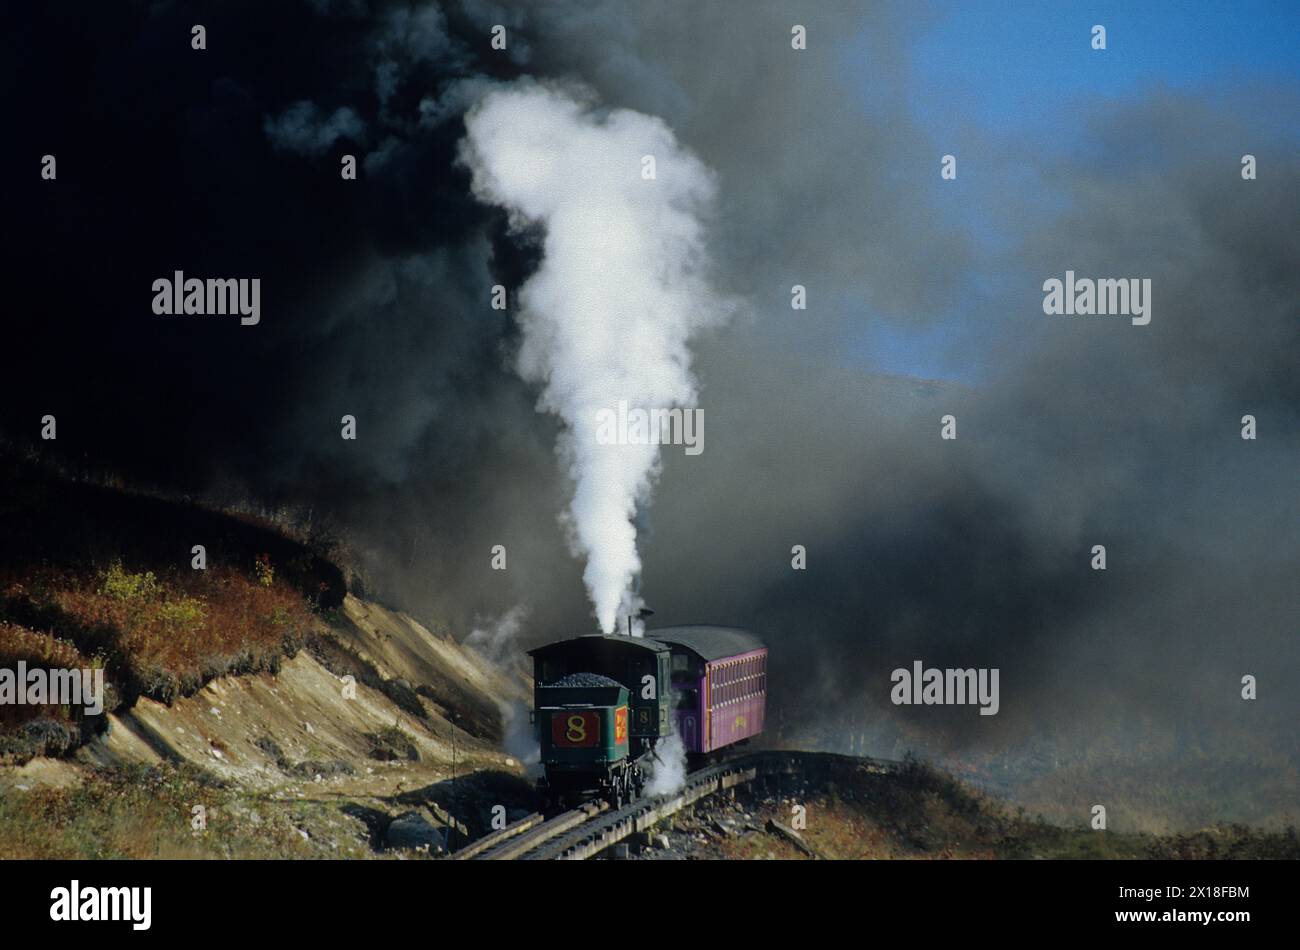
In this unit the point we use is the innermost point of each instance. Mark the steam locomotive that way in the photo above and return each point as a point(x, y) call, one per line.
point(603, 703)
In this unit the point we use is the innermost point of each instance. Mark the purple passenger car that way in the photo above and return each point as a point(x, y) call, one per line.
point(719, 677)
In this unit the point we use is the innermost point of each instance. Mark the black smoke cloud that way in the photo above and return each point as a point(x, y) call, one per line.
point(225, 162)
point(965, 553)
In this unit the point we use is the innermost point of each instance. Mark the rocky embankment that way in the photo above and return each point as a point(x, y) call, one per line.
point(379, 736)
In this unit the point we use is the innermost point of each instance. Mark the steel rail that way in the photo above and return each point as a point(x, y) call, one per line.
point(491, 840)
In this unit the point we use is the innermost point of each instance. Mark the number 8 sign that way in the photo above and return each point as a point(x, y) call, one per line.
point(575, 729)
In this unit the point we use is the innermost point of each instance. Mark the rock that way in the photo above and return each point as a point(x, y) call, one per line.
point(790, 835)
point(413, 830)
point(661, 841)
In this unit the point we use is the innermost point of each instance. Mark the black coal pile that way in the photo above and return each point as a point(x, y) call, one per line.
point(585, 679)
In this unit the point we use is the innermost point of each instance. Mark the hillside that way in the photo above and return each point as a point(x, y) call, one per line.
point(257, 689)
point(917, 812)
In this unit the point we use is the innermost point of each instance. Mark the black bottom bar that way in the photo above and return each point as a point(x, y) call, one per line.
point(565, 900)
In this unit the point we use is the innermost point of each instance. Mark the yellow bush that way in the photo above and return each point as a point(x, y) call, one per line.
point(122, 585)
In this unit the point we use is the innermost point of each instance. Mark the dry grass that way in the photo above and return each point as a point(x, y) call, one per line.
point(149, 813)
point(920, 812)
point(109, 571)
point(36, 650)
point(162, 635)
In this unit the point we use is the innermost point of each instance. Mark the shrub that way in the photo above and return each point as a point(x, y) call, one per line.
point(29, 730)
point(265, 572)
point(182, 614)
point(391, 744)
point(126, 587)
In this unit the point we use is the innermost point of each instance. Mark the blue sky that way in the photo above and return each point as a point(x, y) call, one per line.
point(984, 70)
point(1012, 63)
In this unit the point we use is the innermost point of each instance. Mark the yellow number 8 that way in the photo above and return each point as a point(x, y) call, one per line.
point(577, 731)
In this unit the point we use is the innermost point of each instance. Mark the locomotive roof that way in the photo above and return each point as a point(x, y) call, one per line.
point(615, 639)
point(709, 641)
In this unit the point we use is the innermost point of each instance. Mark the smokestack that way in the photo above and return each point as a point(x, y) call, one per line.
point(640, 616)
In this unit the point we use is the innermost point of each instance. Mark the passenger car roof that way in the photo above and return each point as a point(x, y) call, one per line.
point(709, 641)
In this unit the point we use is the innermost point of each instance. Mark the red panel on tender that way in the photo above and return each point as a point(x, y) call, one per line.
point(572, 730)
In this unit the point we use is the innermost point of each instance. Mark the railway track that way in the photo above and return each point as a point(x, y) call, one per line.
point(525, 836)
point(585, 831)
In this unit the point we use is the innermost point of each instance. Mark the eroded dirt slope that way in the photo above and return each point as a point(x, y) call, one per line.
point(378, 717)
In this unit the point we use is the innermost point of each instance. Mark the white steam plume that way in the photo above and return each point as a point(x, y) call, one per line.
point(495, 640)
point(667, 773)
point(619, 293)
